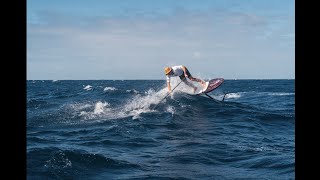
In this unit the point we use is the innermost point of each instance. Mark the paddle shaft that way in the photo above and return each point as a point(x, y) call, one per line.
point(168, 94)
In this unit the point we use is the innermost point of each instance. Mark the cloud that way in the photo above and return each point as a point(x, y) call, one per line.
point(111, 44)
point(246, 19)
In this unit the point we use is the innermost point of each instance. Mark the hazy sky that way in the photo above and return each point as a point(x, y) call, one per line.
point(136, 39)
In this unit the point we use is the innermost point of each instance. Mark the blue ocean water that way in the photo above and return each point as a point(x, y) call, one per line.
point(104, 129)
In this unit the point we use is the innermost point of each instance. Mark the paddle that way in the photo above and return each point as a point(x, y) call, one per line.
point(167, 95)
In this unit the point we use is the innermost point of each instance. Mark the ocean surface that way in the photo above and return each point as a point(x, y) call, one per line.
point(105, 129)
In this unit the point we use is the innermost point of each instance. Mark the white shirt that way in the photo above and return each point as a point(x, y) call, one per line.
point(177, 71)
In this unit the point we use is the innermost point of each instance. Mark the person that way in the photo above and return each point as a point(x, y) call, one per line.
point(183, 74)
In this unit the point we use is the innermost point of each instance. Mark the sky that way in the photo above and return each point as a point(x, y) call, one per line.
point(137, 39)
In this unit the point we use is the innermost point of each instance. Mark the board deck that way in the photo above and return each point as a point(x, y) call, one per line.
point(210, 86)
point(202, 90)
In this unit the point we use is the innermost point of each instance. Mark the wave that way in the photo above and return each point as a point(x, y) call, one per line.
point(140, 106)
point(100, 105)
point(133, 130)
point(109, 89)
point(61, 163)
point(88, 87)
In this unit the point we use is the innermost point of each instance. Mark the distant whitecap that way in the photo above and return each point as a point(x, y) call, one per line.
point(88, 87)
point(109, 89)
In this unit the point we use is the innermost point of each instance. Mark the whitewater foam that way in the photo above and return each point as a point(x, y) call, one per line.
point(134, 107)
point(232, 96)
point(132, 90)
point(171, 110)
point(101, 107)
point(280, 94)
point(88, 87)
point(109, 89)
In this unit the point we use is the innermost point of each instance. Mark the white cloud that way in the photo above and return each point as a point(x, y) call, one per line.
point(114, 46)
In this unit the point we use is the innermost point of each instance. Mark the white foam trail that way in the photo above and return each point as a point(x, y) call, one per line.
point(281, 94)
point(144, 102)
point(109, 89)
point(233, 96)
point(79, 106)
point(134, 107)
point(141, 104)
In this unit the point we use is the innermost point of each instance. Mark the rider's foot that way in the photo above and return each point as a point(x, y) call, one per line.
point(195, 89)
point(203, 83)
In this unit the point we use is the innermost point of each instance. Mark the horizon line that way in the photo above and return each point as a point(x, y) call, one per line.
point(149, 79)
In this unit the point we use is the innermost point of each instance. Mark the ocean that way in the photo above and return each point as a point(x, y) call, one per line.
point(109, 129)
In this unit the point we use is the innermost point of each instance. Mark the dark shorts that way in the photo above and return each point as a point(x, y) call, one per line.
point(183, 76)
